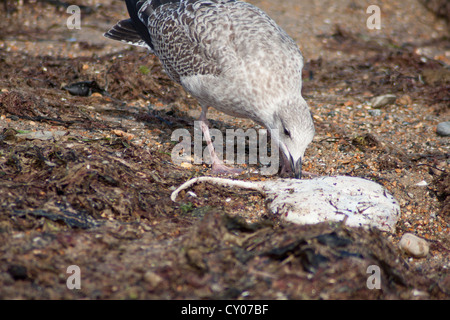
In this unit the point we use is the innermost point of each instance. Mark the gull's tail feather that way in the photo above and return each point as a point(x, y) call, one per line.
point(125, 31)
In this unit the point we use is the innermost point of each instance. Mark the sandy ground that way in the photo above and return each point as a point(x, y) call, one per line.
point(86, 180)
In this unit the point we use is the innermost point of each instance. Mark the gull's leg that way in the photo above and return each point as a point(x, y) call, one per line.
point(217, 165)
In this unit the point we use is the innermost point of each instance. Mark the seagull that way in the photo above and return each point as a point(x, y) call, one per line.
point(229, 55)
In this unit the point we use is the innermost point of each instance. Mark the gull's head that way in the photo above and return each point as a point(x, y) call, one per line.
point(293, 129)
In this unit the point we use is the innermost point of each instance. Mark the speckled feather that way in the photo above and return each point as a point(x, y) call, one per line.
point(228, 42)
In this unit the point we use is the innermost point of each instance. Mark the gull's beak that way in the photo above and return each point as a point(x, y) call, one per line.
point(296, 167)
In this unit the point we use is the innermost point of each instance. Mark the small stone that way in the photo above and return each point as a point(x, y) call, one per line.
point(404, 100)
point(443, 129)
point(375, 112)
point(186, 165)
point(384, 100)
point(120, 133)
point(414, 246)
point(18, 272)
point(422, 183)
point(152, 278)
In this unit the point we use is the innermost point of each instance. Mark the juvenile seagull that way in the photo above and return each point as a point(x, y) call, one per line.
point(232, 56)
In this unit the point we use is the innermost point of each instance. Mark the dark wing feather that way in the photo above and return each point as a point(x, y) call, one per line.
point(125, 31)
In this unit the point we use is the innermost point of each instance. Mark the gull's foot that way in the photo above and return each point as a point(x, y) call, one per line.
point(220, 168)
point(310, 174)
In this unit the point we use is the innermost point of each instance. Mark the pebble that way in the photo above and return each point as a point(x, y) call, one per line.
point(443, 129)
point(414, 246)
point(375, 112)
point(152, 278)
point(404, 100)
point(384, 100)
point(422, 183)
point(186, 165)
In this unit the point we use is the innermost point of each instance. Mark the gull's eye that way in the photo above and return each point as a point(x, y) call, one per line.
point(287, 132)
